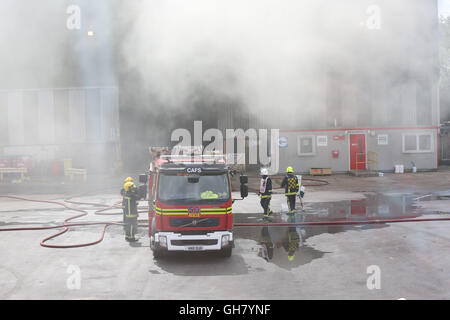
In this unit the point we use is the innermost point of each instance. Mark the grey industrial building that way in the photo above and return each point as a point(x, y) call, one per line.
point(45, 126)
point(377, 99)
point(375, 107)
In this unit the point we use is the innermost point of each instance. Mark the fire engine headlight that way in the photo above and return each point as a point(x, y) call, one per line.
point(225, 240)
point(163, 241)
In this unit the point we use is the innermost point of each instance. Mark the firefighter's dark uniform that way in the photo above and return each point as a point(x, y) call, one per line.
point(130, 214)
point(290, 183)
point(266, 195)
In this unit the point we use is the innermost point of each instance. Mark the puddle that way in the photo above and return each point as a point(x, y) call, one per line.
point(434, 197)
point(283, 246)
point(287, 247)
point(435, 203)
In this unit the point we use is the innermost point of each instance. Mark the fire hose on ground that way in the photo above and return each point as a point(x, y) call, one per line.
point(66, 225)
point(144, 209)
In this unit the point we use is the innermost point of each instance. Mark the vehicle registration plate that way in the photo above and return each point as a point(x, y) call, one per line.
point(194, 214)
point(194, 248)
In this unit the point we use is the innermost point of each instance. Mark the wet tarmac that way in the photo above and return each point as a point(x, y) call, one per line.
point(268, 261)
point(287, 247)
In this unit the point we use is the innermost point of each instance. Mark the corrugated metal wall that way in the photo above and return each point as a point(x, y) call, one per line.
point(52, 124)
point(58, 116)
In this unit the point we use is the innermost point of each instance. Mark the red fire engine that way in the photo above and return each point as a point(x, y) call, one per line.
point(190, 204)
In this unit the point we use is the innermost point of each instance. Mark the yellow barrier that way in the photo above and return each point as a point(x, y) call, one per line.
point(67, 165)
point(370, 158)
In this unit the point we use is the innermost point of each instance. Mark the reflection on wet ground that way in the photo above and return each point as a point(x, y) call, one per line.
point(287, 247)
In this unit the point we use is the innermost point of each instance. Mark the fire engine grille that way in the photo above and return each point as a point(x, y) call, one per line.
point(211, 242)
point(194, 222)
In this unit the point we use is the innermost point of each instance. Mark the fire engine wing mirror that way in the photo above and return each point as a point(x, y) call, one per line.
point(244, 191)
point(143, 178)
point(243, 179)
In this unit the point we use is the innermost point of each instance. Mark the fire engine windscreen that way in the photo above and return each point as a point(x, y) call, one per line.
point(204, 189)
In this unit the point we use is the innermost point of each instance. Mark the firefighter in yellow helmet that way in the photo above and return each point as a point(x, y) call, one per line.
point(129, 179)
point(130, 195)
point(291, 187)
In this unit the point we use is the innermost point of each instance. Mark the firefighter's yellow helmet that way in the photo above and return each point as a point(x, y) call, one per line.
point(290, 170)
point(127, 186)
point(129, 179)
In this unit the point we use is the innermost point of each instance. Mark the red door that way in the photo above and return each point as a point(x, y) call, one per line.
point(357, 152)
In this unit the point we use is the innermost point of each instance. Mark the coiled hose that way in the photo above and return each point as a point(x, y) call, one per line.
point(66, 225)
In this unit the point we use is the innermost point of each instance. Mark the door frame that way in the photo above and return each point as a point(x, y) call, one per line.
point(349, 147)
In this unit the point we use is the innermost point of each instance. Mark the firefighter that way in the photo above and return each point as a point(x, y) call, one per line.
point(265, 192)
point(208, 194)
point(122, 192)
point(130, 195)
point(290, 183)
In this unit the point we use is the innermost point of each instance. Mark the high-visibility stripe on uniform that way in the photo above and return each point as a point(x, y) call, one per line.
point(129, 214)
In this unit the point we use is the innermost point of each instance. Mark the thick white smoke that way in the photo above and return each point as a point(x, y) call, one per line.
point(256, 51)
point(32, 43)
point(270, 55)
